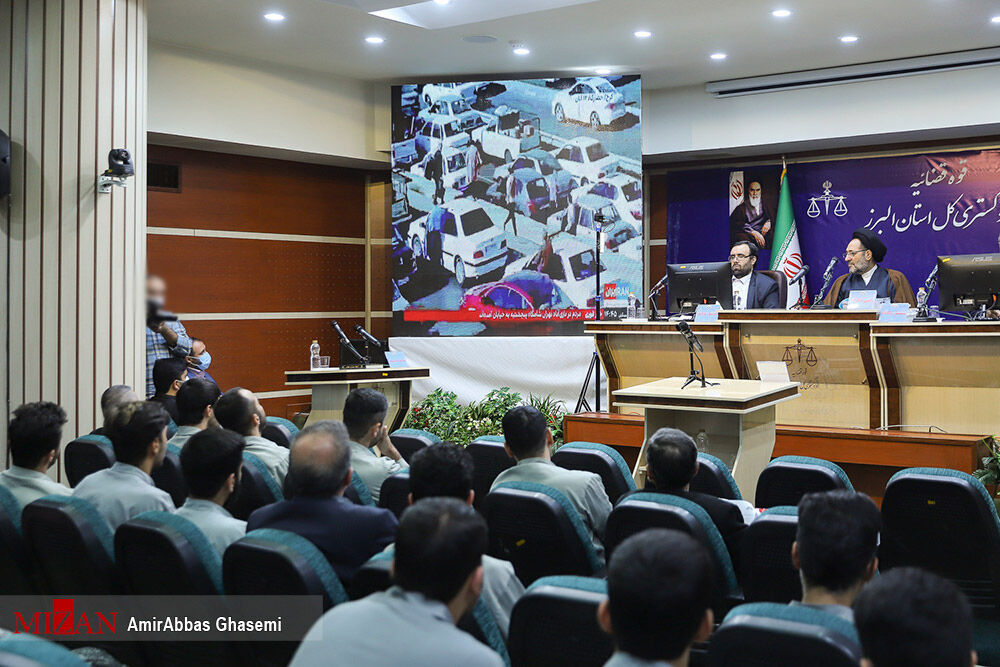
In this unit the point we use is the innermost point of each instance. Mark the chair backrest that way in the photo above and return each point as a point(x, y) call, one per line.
point(713, 477)
point(257, 488)
point(72, 544)
point(600, 459)
point(479, 623)
point(538, 530)
point(780, 278)
point(87, 454)
point(395, 493)
point(787, 478)
point(944, 521)
point(374, 576)
point(767, 633)
point(766, 569)
point(358, 492)
point(169, 476)
point(160, 553)
point(280, 431)
point(16, 569)
point(22, 650)
point(489, 459)
point(555, 623)
point(171, 429)
point(411, 440)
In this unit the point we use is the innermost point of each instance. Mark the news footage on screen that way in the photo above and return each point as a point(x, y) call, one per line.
point(499, 190)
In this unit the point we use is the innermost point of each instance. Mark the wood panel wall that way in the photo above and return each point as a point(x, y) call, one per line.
point(656, 221)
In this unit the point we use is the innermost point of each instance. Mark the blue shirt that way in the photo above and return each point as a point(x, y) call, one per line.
point(157, 348)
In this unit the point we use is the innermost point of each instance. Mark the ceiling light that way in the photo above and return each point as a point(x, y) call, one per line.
point(718, 56)
point(521, 50)
point(602, 70)
point(849, 39)
point(995, 19)
point(442, 2)
point(374, 39)
point(642, 34)
point(781, 13)
point(274, 17)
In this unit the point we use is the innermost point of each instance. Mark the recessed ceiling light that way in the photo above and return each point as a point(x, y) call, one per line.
point(995, 19)
point(442, 2)
point(781, 13)
point(374, 39)
point(849, 39)
point(274, 17)
point(602, 70)
point(718, 56)
point(521, 50)
point(642, 34)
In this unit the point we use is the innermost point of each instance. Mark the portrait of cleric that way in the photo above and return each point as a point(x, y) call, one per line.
point(753, 218)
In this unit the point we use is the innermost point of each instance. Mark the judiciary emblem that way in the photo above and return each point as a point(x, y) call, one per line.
point(798, 349)
point(839, 209)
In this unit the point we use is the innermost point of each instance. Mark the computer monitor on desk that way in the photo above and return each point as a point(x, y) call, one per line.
point(968, 282)
point(705, 282)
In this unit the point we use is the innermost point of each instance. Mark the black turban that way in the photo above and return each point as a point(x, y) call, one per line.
point(870, 241)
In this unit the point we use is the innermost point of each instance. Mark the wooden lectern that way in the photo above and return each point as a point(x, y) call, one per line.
point(330, 387)
point(736, 415)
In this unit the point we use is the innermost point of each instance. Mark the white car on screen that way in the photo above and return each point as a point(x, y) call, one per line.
point(451, 108)
point(587, 160)
point(472, 243)
point(623, 190)
point(433, 134)
point(591, 100)
point(432, 92)
point(571, 265)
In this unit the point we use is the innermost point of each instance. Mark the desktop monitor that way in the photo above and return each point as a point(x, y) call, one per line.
point(967, 282)
point(706, 282)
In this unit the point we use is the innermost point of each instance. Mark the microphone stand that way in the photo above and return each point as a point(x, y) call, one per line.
point(923, 312)
point(818, 303)
point(599, 219)
point(696, 375)
point(801, 301)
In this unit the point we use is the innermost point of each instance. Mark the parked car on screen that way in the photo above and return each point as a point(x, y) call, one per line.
point(506, 132)
point(561, 183)
point(523, 290)
point(586, 159)
point(580, 217)
point(529, 191)
point(451, 108)
point(570, 263)
point(432, 92)
point(591, 100)
point(433, 134)
point(454, 171)
point(473, 245)
point(624, 191)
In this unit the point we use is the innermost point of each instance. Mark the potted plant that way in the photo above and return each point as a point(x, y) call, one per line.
point(989, 458)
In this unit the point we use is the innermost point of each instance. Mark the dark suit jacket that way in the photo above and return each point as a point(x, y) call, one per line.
point(169, 404)
point(762, 292)
point(347, 534)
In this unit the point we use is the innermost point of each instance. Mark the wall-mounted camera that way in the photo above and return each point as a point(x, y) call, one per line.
point(120, 169)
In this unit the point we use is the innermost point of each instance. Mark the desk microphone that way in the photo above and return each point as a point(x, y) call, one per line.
point(800, 275)
point(658, 285)
point(689, 336)
point(372, 340)
point(347, 343)
point(340, 332)
point(829, 269)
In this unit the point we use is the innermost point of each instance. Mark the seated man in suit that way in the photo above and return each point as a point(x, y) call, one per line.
point(169, 375)
point(671, 464)
point(138, 434)
point(751, 289)
point(836, 549)
point(445, 470)
point(113, 398)
point(438, 574)
point(33, 436)
point(315, 507)
point(239, 410)
point(912, 618)
point(195, 401)
point(659, 597)
point(211, 462)
point(863, 255)
point(528, 440)
point(364, 416)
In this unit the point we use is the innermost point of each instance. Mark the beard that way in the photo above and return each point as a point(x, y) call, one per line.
point(754, 202)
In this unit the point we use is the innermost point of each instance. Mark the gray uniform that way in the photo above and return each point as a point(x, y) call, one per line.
point(390, 629)
point(583, 489)
point(29, 485)
point(622, 659)
point(373, 469)
point(501, 589)
point(121, 492)
point(274, 456)
point(219, 526)
point(182, 435)
point(839, 610)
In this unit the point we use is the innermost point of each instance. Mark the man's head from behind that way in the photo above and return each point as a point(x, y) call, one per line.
point(526, 433)
point(836, 543)
point(364, 412)
point(441, 470)
point(114, 397)
point(659, 595)
point(671, 459)
point(211, 462)
point(319, 463)
point(239, 410)
point(195, 400)
point(138, 432)
point(169, 374)
point(912, 618)
point(34, 434)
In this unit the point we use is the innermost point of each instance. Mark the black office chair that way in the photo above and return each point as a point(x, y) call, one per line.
point(411, 440)
point(782, 280)
point(395, 493)
point(766, 569)
point(169, 477)
point(277, 433)
point(600, 459)
point(18, 575)
point(489, 459)
point(257, 488)
point(87, 454)
point(555, 623)
point(713, 477)
point(787, 478)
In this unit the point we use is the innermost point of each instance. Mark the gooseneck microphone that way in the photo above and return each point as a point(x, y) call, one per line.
point(372, 340)
point(800, 275)
point(340, 332)
point(829, 269)
point(346, 343)
point(689, 336)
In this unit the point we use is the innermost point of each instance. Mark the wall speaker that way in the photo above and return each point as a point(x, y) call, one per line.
point(4, 164)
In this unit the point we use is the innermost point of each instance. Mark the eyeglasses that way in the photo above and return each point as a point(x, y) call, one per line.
point(740, 257)
point(848, 254)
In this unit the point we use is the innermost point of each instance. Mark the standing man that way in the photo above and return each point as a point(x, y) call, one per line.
point(164, 339)
point(435, 173)
point(473, 162)
point(863, 255)
point(199, 361)
point(509, 187)
point(751, 220)
point(435, 243)
point(750, 288)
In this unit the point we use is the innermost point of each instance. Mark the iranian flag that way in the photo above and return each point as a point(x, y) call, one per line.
point(786, 255)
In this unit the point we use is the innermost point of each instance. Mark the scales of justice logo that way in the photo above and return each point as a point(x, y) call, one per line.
point(794, 353)
point(839, 209)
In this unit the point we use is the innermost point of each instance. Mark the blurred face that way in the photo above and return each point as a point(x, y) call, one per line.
point(156, 290)
point(259, 409)
point(753, 193)
point(858, 259)
point(740, 260)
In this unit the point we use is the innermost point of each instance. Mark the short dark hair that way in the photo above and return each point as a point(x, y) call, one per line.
point(524, 430)
point(671, 458)
point(659, 586)
point(443, 469)
point(166, 370)
point(234, 410)
point(193, 397)
point(837, 538)
point(208, 458)
point(134, 426)
point(113, 397)
point(363, 408)
point(752, 248)
point(319, 479)
point(35, 430)
point(912, 618)
point(439, 543)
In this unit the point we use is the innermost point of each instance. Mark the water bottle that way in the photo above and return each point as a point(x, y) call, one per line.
point(314, 355)
point(701, 440)
point(921, 296)
point(630, 313)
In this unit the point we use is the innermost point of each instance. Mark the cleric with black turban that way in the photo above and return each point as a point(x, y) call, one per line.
point(864, 254)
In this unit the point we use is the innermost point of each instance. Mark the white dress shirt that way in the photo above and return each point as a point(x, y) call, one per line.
point(741, 287)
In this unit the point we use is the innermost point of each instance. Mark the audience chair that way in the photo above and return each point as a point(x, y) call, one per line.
point(787, 478)
point(489, 459)
point(171, 429)
point(537, 529)
point(26, 650)
point(17, 573)
point(279, 431)
point(372, 577)
point(87, 454)
point(781, 635)
point(358, 492)
point(766, 569)
point(600, 459)
point(72, 545)
point(555, 623)
point(713, 477)
point(257, 488)
point(411, 440)
point(169, 476)
point(395, 493)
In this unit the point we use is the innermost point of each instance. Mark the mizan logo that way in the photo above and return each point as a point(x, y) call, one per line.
point(839, 209)
point(799, 349)
point(63, 621)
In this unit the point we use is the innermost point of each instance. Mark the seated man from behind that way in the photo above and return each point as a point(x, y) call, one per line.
point(138, 434)
point(912, 618)
point(211, 462)
point(195, 409)
point(836, 549)
point(315, 508)
point(33, 436)
point(527, 438)
point(169, 375)
point(659, 597)
point(438, 574)
point(671, 464)
point(239, 410)
point(113, 398)
point(364, 417)
point(445, 470)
